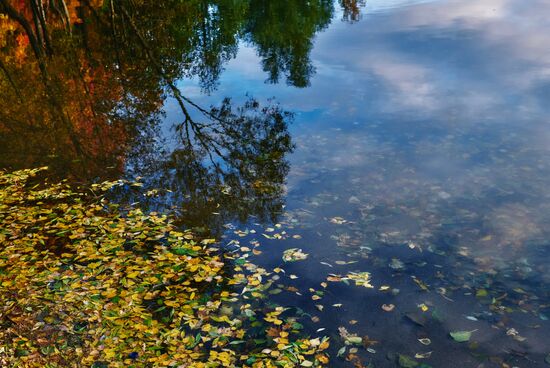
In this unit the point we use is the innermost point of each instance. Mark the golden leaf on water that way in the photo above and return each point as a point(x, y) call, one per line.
point(293, 255)
point(123, 300)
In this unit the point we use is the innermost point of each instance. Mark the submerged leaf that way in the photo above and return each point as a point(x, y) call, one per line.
point(407, 362)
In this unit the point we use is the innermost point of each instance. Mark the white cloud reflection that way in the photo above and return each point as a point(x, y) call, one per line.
point(451, 95)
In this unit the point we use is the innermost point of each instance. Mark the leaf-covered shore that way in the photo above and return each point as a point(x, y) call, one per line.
point(85, 284)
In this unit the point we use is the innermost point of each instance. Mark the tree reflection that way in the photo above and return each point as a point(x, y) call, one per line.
point(83, 83)
point(352, 9)
point(283, 32)
point(245, 148)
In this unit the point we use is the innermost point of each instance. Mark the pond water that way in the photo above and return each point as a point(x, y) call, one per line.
point(407, 139)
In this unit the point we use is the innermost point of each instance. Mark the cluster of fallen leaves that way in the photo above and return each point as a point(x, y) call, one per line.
point(83, 283)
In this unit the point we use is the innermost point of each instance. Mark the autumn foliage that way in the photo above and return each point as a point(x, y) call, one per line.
point(82, 285)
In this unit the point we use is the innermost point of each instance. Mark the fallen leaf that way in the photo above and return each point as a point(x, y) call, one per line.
point(407, 362)
point(423, 355)
point(461, 336)
point(293, 255)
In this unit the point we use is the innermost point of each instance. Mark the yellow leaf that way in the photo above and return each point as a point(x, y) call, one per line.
point(132, 275)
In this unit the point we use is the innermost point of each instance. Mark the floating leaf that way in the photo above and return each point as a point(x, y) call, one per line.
point(481, 293)
point(293, 255)
point(420, 283)
point(354, 340)
point(360, 278)
point(461, 336)
point(423, 307)
point(423, 355)
point(337, 220)
point(157, 275)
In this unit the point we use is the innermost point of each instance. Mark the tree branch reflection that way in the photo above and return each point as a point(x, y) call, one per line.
point(83, 84)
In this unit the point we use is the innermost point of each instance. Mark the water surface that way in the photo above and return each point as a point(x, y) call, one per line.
point(416, 148)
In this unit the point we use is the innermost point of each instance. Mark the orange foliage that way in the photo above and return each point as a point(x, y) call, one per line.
point(65, 107)
point(13, 42)
point(21, 49)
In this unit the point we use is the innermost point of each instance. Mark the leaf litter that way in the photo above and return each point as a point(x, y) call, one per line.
point(83, 281)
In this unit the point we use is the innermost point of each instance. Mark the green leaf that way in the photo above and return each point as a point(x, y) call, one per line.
point(184, 252)
point(251, 360)
point(461, 336)
point(341, 352)
point(407, 362)
point(355, 340)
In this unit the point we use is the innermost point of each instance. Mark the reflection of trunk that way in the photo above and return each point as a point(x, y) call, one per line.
point(206, 142)
point(40, 39)
point(115, 37)
point(11, 81)
point(57, 106)
point(39, 17)
point(66, 15)
point(14, 14)
point(57, 109)
point(36, 47)
point(61, 15)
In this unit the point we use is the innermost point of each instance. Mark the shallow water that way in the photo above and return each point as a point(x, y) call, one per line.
point(421, 155)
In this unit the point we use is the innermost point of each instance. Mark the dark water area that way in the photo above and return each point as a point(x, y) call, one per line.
point(406, 139)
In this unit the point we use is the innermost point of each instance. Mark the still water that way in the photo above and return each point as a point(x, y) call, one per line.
point(407, 139)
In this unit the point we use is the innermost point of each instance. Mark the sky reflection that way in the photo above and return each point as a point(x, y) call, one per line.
point(452, 92)
point(425, 123)
point(422, 149)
